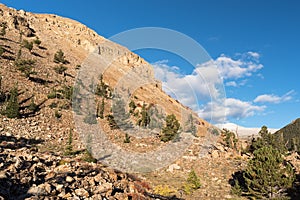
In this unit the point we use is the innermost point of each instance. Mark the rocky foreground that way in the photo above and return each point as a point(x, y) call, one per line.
point(26, 173)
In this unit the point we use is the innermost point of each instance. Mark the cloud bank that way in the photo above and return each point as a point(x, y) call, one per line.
point(203, 89)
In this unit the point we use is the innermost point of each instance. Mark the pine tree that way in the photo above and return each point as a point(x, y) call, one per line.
point(156, 118)
point(132, 107)
point(112, 123)
point(26, 67)
point(19, 54)
point(121, 117)
point(194, 180)
point(192, 183)
point(28, 45)
point(190, 125)
point(100, 109)
point(1, 51)
point(69, 146)
point(12, 107)
point(37, 41)
point(3, 29)
point(2, 94)
point(103, 89)
point(59, 57)
point(267, 138)
point(229, 139)
point(170, 131)
point(268, 175)
point(145, 118)
point(127, 138)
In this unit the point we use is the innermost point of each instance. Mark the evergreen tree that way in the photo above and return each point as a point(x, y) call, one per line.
point(229, 139)
point(19, 54)
point(60, 69)
point(2, 94)
point(127, 138)
point(1, 51)
point(268, 175)
point(37, 41)
point(27, 45)
point(100, 109)
point(266, 138)
point(156, 118)
point(26, 67)
point(121, 117)
point(103, 89)
point(59, 57)
point(192, 183)
point(190, 125)
point(69, 146)
point(132, 107)
point(33, 106)
point(3, 29)
point(170, 131)
point(145, 118)
point(111, 121)
point(12, 107)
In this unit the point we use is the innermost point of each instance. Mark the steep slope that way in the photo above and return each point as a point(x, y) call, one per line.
point(291, 135)
point(46, 129)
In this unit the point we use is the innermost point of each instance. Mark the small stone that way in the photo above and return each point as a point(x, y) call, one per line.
point(81, 192)
point(84, 183)
point(29, 158)
point(214, 154)
point(19, 163)
point(228, 196)
point(3, 175)
point(173, 167)
point(68, 195)
point(69, 179)
point(92, 182)
point(37, 190)
point(7, 134)
point(50, 175)
point(120, 196)
point(48, 188)
point(62, 194)
point(98, 178)
point(104, 187)
point(36, 159)
point(59, 187)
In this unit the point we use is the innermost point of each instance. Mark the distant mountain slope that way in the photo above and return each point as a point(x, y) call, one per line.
point(291, 135)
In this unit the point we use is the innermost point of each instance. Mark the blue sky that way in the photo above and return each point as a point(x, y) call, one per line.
point(255, 43)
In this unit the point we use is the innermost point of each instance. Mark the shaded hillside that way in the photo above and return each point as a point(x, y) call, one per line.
point(291, 135)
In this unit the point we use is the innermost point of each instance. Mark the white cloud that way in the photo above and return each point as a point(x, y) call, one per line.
point(231, 83)
point(201, 84)
point(253, 54)
point(235, 83)
point(234, 69)
point(272, 98)
point(229, 108)
point(205, 85)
